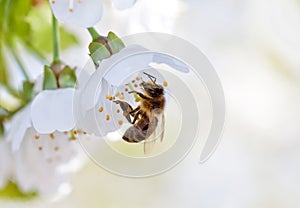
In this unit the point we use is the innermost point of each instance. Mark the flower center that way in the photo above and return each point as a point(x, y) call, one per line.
point(71, 4)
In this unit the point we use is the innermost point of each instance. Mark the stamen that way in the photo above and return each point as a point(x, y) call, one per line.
point(56, 148)
point(40, 148)
point(107, 117)
point(71, 5)
point(122, 97)
point(36, 136)
point(120, 122)
point(53, 1)
point(100, 109)
point(109, 97)
point(51, 136)
point(75, 132)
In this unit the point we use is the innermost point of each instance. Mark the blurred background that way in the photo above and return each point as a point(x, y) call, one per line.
point(254, 46)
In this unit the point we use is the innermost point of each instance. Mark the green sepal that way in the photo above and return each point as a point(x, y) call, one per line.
point(50, 82)
point(28, 91)
point(115, 43)
point(98, 52)
point(67, 78)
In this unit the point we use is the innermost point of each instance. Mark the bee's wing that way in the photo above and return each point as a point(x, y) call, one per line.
point(155, 130)
point(161, 127)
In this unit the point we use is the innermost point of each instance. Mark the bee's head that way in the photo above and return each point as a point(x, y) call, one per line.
point(153, 90)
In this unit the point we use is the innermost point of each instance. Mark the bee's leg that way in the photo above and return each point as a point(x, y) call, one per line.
point(140, 94)
point(136, 116)
point(135, 110)
point(126, 109)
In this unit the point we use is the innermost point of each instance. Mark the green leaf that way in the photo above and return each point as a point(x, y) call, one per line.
point(50, 82)
point(67, 78)
point(41, 26)
point(3, 70)
point(3, 116)
point(3, 113)
point(67, 39)
point(14, 19)
point(12, 191)
point(98, 52)
point(2, 129)
point(13, 25)
point(114, 42)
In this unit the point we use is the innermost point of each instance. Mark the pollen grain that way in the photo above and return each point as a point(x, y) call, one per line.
point(165, 83)
point(51, 136)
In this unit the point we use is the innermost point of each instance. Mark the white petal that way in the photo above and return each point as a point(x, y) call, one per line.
point(123, 4)
point(85, 13)
point(52, 110)
point(5, 162)
point(19, 124)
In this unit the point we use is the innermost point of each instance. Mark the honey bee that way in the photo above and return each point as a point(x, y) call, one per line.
point(148, 117)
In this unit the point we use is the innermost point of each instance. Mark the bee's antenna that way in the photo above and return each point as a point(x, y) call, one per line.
point(152, 78)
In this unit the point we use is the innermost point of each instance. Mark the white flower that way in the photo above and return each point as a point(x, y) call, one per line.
point(44, 162)
point(50, 111)
point(44, 143)
point(84, 13)
point(97, 112)
point(5, 162)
